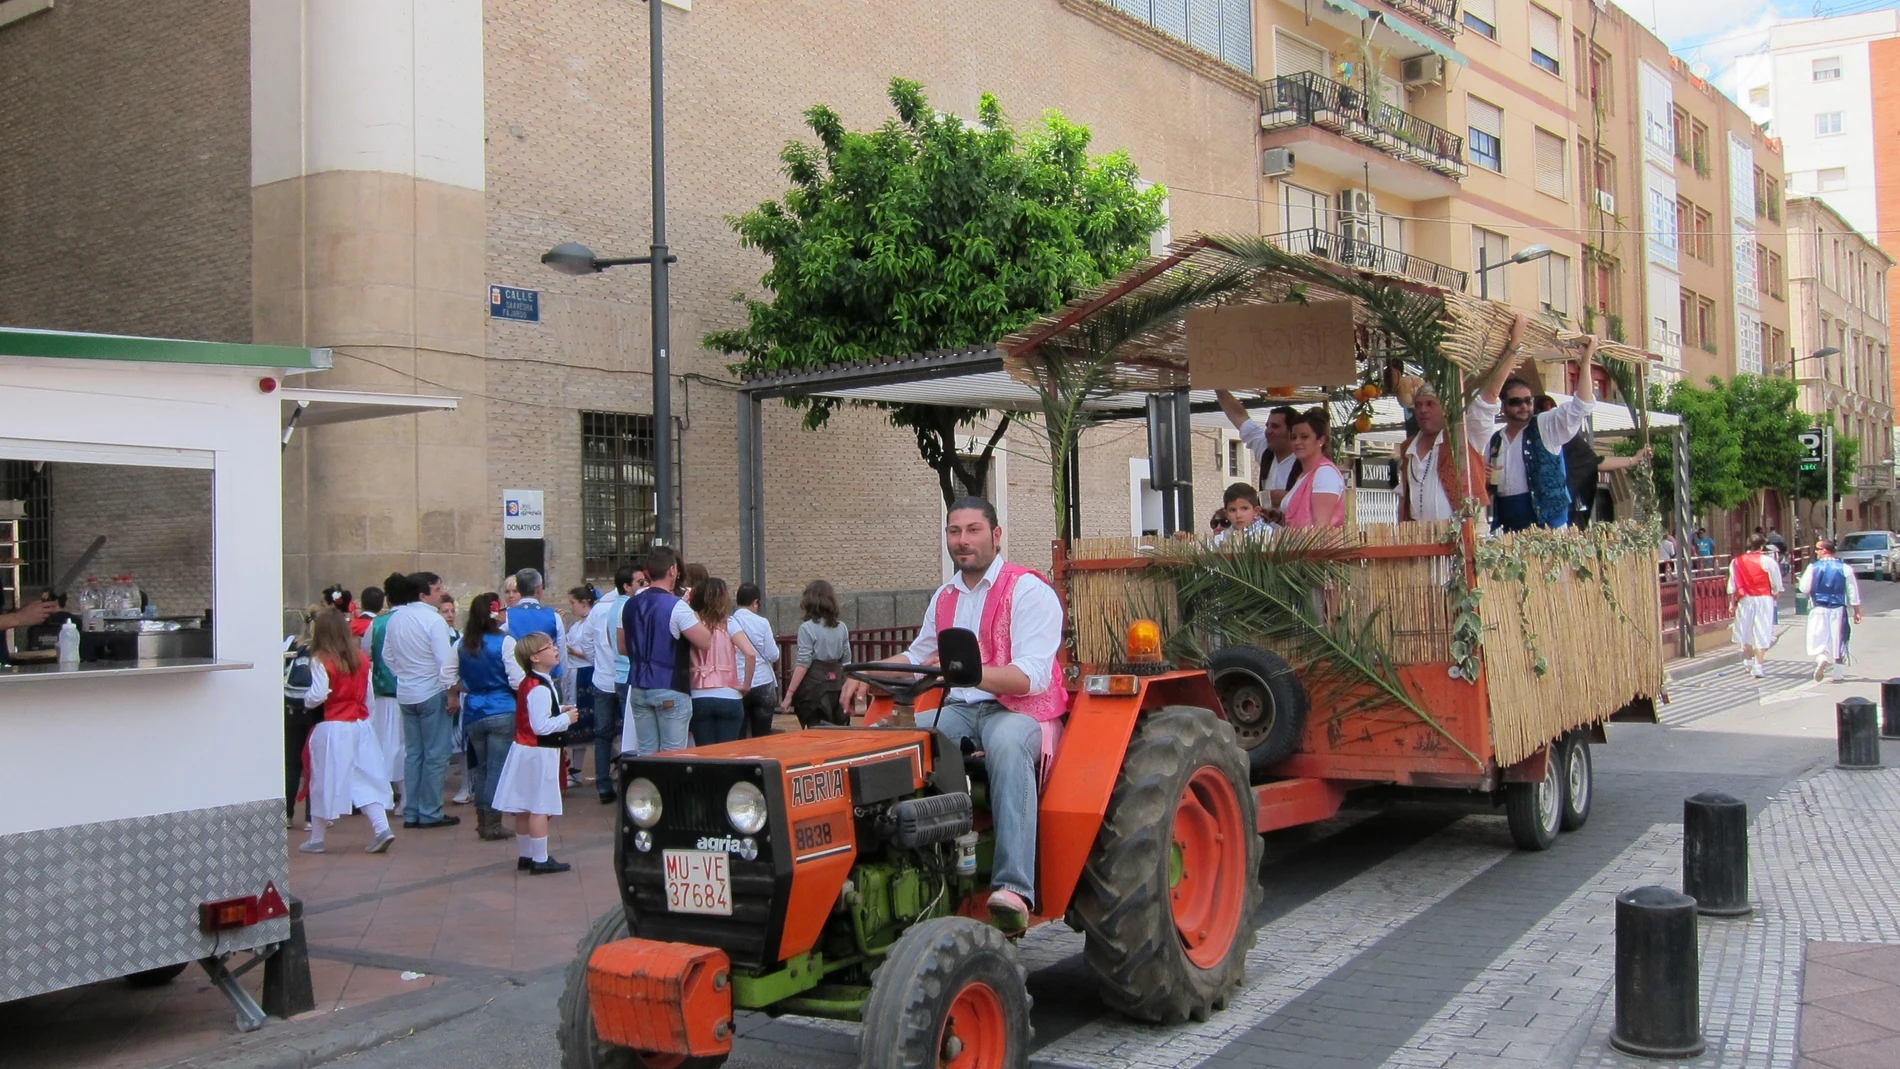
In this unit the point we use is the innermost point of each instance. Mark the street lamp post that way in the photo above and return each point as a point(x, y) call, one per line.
point(1485, 266)
point(570, 258)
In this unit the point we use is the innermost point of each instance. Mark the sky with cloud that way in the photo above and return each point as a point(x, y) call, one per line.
point(1716, 31)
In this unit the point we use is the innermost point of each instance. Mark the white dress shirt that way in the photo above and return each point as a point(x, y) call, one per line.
point(592, 636)
point(1254, 434)
point(759, 630)
point(418, 649)
point(1556, 427)
point(1424, 485)
point(1035, 627)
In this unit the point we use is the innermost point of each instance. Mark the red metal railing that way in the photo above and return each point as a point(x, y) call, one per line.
point(867, 644)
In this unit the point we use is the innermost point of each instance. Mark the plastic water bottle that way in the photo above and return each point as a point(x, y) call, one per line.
point(68, 642)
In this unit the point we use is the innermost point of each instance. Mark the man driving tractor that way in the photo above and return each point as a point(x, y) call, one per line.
point(1018, 621)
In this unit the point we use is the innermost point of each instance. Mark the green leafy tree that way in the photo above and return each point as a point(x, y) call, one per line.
point(1715, 447)
point(1763, 412)
point(931, 233)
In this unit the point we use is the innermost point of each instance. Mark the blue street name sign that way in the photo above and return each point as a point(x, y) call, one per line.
point(507, 302)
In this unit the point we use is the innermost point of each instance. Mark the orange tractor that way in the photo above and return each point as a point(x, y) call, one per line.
point(837, 873)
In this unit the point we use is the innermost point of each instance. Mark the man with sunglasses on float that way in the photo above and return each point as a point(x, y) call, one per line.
point(1525, 457)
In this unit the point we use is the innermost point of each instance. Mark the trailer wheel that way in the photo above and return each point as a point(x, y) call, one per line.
point(1579, 781)
point(1168, 896)
point(581, 1046)
point(1535, 811)
point(949, 994)
point(1263, 700)
point(158, 977)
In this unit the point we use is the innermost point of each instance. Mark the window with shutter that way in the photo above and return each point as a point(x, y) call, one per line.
point(1553, 283)
point(1547, 36)
point(1482, 16)
point(1550, 163)
point(1306, 211)
point(1486, 122)
point(1294, 56)
point(1495, 249)
point(1204, 25)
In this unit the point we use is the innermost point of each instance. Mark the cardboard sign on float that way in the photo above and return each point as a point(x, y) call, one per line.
point(1256, 346)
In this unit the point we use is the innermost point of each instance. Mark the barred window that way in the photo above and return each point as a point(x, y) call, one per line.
point(618, 489)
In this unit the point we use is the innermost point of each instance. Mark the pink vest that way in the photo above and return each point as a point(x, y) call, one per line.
point(1299, 503)
point(717, 665)
point(993, 639)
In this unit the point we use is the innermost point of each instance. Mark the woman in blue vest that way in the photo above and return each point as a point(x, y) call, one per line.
point(489, 678)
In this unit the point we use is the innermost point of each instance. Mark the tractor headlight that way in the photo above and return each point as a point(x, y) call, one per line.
point(745, 807)
point(643, 802)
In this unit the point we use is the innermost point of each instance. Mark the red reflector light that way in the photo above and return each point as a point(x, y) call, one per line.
point(226, 914)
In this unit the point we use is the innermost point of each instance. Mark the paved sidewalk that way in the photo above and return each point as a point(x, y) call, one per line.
point(1824, 862)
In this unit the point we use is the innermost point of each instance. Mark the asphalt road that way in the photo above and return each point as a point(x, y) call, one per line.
point(1433, 893)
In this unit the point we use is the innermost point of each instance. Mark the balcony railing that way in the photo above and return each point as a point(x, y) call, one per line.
point(1306, 99)
point(1440, 15)
point(1342, 249)
point(1875, 477)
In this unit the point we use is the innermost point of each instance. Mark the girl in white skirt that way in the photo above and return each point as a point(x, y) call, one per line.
point(530, 785)
point(347, 767)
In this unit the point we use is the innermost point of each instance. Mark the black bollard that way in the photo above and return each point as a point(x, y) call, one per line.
point(1658, 1000)
point(1715, 854)
point(1857, 731)
point(1890, 709)
point(287, 990)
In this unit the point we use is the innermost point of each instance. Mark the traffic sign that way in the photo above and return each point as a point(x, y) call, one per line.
point(1814, 446)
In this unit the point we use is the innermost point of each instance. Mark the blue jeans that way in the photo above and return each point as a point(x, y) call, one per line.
point(717, 720)
point(608, 705)
point(658, 719)
point(489, 738)
point(427, 732)
point(1012, 751)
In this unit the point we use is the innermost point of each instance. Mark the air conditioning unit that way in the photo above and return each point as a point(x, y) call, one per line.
point(1606, 202)
point(1357, 202)
point(1275, 162)
point(1423, 70)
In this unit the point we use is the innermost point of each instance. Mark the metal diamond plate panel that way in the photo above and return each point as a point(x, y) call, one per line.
point(95, 901)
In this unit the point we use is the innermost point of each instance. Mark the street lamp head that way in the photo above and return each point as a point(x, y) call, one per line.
point(1531, 252)
point(571, 258)
point(1820, 354)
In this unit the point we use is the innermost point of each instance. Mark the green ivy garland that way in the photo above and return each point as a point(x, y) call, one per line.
point(1585, 553)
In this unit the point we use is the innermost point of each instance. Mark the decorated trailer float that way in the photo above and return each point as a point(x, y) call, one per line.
point(1215, 692)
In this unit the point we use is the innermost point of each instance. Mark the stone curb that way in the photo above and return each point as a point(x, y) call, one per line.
point(1729, 657)
point(316, 1038)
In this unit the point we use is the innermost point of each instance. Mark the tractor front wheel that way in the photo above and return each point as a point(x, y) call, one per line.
point(1169, 893)
point(950, 995)
point(581, 1046)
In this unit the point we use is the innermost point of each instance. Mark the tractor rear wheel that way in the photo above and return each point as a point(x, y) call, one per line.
point(1168, 896)
point(1579, 780)
point(581, 1046)
point(950, 995)
point(1264, 702)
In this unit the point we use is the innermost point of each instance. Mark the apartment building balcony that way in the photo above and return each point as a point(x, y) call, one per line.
point(1440, 15)
point(1873, 478)
point(1339, 129)
point(1343, 249)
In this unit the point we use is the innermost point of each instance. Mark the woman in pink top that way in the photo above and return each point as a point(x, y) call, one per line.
point(719, 684)
point(1317, 500)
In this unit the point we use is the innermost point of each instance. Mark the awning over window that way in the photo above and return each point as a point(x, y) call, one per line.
point(1422, 38)
point(323, 407)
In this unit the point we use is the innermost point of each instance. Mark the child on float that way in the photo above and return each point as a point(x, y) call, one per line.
point(1245, 516)
point(347, 767)
point(530, 785)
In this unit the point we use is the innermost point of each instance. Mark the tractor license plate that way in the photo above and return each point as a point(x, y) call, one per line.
point(698, 881)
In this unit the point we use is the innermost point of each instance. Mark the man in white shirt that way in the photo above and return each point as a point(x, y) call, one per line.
point(1271, 445)
point(418, 650)
point(1004, 714)
point(762, 700)
point(1525, 456)
point(610, 676)
point(1425, 464)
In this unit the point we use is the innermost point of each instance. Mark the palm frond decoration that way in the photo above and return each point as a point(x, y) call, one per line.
point(1072, 375)
point(1284, 593)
